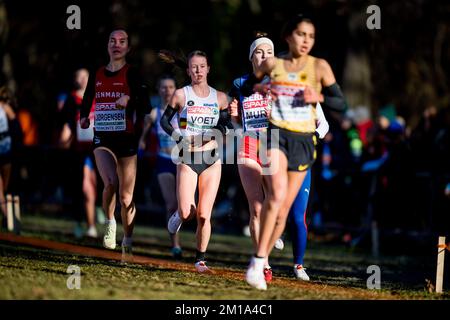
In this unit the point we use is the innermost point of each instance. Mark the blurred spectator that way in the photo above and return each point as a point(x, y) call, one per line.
point(29, 127)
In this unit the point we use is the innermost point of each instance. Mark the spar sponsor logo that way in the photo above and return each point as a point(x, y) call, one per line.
point(105, 106)
point(256, 112)
point(203, 117)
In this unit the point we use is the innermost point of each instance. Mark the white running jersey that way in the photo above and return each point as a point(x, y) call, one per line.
point(198, 115)
point(5, 138)
point(3, 121)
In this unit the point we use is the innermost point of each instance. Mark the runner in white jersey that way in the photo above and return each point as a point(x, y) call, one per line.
point(166, 170)
point(199, 108)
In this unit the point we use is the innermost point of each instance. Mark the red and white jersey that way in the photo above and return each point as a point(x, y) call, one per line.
point(108, 117)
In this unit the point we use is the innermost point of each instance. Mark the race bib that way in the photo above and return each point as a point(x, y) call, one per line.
point(200, 119)
point(291, 104)
point(256, 110)
point(109, 118)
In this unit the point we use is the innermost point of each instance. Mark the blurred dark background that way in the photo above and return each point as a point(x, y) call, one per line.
point(385, 161)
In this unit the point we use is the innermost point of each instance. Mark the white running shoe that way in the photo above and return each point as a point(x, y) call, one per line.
point(174, 223)
point(201, 267)
point(300, 272)
point(279, 244)
point(109, 239)
point(92, 232)
point(246, 231)
point(255, 274)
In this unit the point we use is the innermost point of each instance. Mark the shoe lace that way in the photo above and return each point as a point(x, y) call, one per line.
point(109, 231)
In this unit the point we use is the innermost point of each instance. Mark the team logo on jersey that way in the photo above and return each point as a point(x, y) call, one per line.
point(303, 77)
point(292, 76)
point(98, 83)
point(190, 103)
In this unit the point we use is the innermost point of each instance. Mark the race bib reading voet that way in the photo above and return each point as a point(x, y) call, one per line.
point(201, 118)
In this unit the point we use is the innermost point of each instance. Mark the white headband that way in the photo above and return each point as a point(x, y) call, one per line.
point(258, 42)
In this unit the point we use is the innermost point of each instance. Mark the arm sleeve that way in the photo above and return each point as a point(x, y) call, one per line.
point(167, 116)
point(89, 96)
point(322, 123)
point(333, 98)
point(224, 124)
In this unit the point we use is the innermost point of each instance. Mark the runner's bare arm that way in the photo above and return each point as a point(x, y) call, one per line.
point(88, 98)
point(148, 120)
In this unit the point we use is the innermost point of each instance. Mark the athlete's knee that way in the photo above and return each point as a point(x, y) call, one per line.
point(89, 191)
point(89, 195)
point(110, 188)
point(203, 217)
point(186, 212)
point(275, 201)
point(126, 199)
point(281, 221)
point(255, 210)
point(298, 219)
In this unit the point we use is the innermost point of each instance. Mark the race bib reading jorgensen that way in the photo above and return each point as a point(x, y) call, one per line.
point(109, 118)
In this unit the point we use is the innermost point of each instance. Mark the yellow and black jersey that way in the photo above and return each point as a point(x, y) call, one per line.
point(290, 111)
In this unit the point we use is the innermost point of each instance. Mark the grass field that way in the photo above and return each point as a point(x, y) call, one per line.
point(337, 272)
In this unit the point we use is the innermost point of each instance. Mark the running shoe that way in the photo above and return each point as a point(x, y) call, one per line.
point(279, 244)
point(174, 223)
point(268, 274)
point(109, 239)
point(92, 232)
point(201, 267)
point(255, 275)
point(300, 272)
point(246, 231)
point(177, 253)
point(78, 231)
